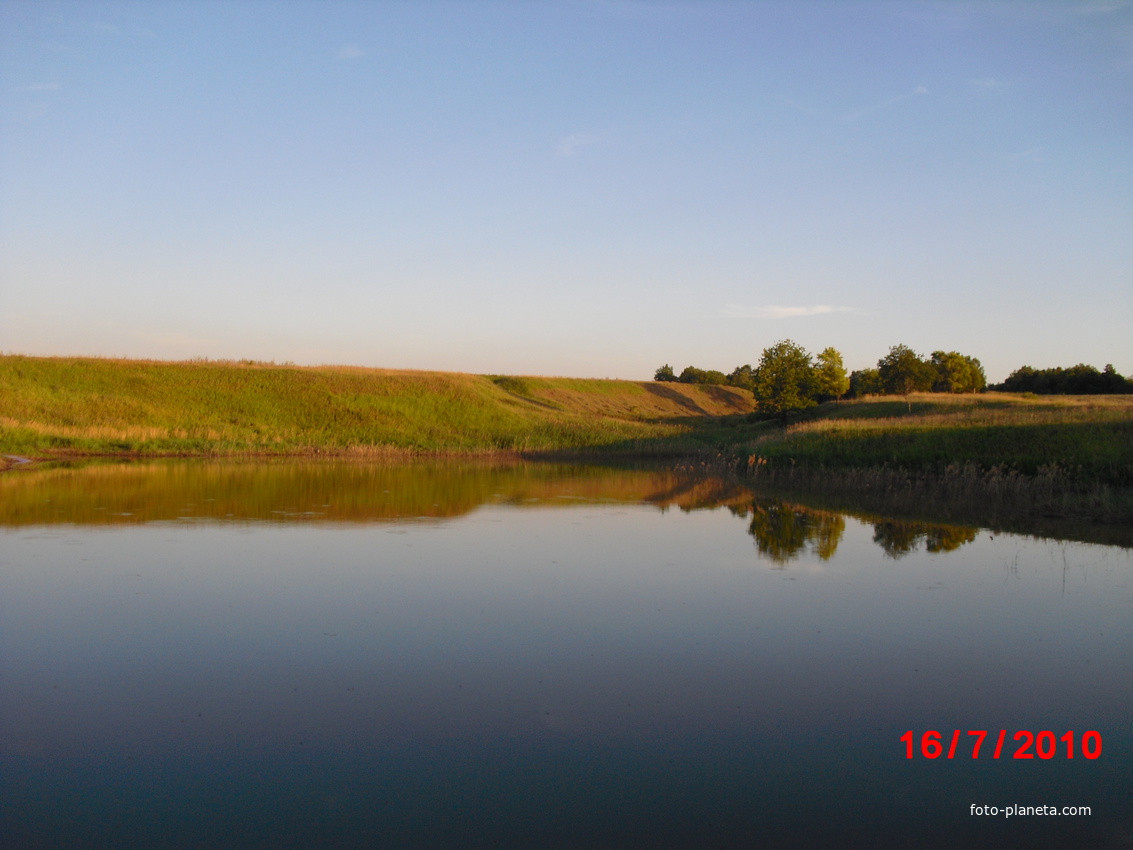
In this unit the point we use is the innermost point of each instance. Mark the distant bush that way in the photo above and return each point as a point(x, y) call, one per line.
point(692, 375)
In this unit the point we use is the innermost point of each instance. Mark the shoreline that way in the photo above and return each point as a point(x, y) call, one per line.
point(961, 493)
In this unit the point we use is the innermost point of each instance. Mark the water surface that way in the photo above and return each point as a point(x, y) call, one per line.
point(293, 655)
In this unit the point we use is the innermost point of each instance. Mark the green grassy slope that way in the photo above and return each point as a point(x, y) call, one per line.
point(1089, 437)
point(52, 406)
point(72, 406)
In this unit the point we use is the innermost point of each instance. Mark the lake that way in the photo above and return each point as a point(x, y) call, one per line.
point(299, 654)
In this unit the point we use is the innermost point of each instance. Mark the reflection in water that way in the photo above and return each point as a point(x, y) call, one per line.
point(783, 531)
point(289, 658)
point(900, 538)
point(288, 491)
point(285, 491)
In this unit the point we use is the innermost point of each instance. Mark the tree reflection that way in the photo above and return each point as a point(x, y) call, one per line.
point(898, 539)
point(783, 531)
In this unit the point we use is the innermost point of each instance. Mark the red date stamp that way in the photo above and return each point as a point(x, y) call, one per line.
point(1045, 745)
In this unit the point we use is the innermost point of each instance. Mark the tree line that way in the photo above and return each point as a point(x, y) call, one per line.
point(1077, 380)
point(788, 378)
point(903, 371)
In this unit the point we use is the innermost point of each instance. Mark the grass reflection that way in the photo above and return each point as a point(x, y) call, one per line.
point(329, 491)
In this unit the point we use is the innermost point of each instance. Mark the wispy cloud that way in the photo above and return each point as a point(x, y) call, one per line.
point(351, 51)
point(990, 83)
point(570, 145)
point(739, 311)
point(886, 104)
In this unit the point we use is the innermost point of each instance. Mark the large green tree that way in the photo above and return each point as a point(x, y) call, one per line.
point(902, 371)
point(784, 380)
point(865, 382)
point(831, 380)
point(957, 373)
point(741, 376)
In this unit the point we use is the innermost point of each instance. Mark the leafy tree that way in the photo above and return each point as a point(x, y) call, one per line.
point(741, 376)
point(865, 382)
point(903, 371)
point(1022, 380)
point(957, 373)
point(830, 376)
point(665, 373)
point(784, 380)
point(1113, 382)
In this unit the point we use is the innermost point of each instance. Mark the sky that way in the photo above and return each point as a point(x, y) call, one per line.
point(590, 188)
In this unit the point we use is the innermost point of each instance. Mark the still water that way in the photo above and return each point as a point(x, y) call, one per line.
point(346, 655)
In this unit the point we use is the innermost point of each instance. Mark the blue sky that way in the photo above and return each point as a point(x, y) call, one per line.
point(587, 188)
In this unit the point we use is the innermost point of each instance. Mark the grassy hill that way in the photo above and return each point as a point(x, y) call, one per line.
point(71, 406)
point(1027, 435)
point(989, 459)
point(961, 458)
point(52, 406)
